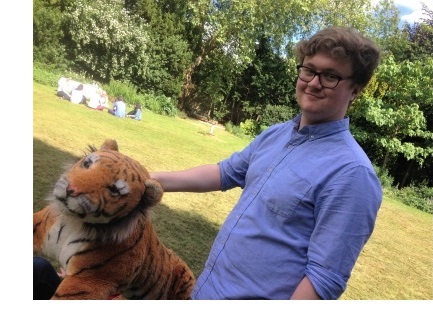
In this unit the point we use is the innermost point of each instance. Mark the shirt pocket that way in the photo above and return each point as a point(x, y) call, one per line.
point(284, 192)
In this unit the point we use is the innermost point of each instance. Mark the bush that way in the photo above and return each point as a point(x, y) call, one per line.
point(233, 129)
point(50, 75)
point(160, 104)
point(181, 114)
point(44, 77)
point(276, 114)
point(236, 130)
point(249, 128)
point(418, 197)
point(125, 89)
point(166, 106)
point(385, 179)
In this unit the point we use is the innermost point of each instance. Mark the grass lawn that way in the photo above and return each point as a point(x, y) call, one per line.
point(395, 264)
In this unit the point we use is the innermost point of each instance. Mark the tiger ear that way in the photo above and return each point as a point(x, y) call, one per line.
point(153, 193)
point(110, 144)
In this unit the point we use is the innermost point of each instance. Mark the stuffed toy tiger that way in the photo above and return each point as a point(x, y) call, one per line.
point(97, 227)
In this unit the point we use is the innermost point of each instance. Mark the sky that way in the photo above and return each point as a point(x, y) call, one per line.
point(411, 10)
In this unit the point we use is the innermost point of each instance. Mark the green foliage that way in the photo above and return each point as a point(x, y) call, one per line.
point(236, 130)
point(109, 45)
point(420, 37)
point(160, 104)
point(391, 118)
point(265, 83)
point(276, 114)
point(167, 106)
point(420, 197)
point(167, 49)
point(249, 128)
point(232, 61)
point(125, 89)
point(386, 180)
point(47, 34)
point(43, 76)
point(49, 75)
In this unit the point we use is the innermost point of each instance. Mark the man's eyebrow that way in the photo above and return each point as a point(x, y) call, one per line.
point(326, 70)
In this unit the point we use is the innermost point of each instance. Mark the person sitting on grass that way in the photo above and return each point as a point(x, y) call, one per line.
point(136, 113)
point(119, 108)
point(65, 87)
point(77, 95)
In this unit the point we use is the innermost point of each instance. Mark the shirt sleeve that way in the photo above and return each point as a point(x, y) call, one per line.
point(345, 216)
point(234, 169)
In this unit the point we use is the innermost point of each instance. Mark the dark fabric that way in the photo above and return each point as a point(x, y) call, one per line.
point(45, 279)
point(64, 95)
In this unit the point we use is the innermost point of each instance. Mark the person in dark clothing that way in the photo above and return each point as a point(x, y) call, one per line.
point(45, 279)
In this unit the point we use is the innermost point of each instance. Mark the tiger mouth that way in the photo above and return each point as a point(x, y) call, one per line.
point(83, 208)
point(64, 201)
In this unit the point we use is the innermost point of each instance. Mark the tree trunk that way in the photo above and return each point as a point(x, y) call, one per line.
point(188, 85)
point(406, 175)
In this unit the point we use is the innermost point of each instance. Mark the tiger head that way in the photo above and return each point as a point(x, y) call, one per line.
point(105, 187)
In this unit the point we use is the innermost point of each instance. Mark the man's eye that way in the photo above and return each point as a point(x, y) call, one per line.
point(308, 72)
point(330, 77)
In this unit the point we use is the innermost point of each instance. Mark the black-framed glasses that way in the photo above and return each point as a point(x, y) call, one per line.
point(326, 79)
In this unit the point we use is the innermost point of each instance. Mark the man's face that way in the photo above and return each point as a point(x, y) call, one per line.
point(319, 104)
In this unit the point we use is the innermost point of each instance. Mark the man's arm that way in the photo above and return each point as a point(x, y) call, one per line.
point(198, 179)
point(305, 291)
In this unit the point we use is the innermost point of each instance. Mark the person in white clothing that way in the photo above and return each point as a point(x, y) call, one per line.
point(77, 95)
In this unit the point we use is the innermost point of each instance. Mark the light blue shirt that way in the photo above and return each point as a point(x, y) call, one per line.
point(308, 206)
point(120, 109)
point(137, 115)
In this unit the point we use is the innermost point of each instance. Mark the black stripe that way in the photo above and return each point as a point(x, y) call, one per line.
point(60, 232)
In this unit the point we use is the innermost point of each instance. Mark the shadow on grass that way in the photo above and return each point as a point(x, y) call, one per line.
point(188, 234)
point(48, 164)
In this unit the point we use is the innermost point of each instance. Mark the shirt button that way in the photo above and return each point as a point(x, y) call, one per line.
point(312, 136)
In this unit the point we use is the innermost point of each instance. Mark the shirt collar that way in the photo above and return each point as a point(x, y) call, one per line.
point(317, 131)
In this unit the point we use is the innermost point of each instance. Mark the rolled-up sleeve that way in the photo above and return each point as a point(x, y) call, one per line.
point(345, 215)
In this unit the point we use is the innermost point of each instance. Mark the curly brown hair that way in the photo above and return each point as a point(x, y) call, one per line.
point(343, 44)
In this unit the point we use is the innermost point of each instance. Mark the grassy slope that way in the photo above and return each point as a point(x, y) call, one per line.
point(395, 264)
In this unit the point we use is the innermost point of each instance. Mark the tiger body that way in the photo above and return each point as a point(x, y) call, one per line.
point(97, 227)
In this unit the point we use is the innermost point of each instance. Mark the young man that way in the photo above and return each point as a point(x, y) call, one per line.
point(310, 194)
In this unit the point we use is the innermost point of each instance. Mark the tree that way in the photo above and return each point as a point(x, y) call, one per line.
point(390, 120)
point(106, 46)
point(265, 88)
point(167, 49)
point(413, 41)
point(226, 31)
point(47, 33)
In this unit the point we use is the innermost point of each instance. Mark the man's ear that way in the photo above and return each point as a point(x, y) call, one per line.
point(355, 92)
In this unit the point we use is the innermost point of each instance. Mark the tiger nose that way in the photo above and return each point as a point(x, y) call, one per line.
point(72, 191)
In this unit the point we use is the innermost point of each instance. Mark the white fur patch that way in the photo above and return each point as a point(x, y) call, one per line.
point(122, 186)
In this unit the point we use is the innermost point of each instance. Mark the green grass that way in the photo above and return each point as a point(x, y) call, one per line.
point(395, 264)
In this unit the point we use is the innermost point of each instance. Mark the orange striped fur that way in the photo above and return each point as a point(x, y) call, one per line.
point(97, 226)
